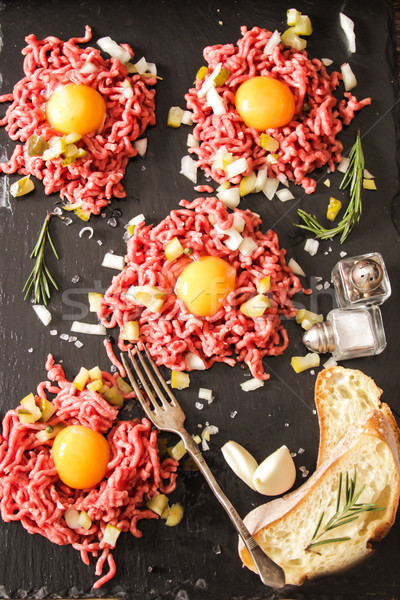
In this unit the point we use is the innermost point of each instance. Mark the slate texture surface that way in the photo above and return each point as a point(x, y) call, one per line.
point(198, 559)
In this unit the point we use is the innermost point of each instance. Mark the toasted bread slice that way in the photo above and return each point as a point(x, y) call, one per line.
point(343, 397)
point(285, 527)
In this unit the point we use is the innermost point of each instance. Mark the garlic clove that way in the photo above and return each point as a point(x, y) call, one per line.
point(276, 474)
point(242, 463)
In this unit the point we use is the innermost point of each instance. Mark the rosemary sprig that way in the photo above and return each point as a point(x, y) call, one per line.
point(350, 512)
point(354, 178)
point(40, 275)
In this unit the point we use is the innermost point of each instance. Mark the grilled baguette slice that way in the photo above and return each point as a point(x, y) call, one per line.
point(343, 397)
point(285, 527)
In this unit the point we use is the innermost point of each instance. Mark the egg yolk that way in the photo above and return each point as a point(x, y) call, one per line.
point(264, 103)
point(75, 108)
point(81, 456)
point(204, 284)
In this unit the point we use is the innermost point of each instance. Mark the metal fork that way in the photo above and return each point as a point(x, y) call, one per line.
point(167, 415)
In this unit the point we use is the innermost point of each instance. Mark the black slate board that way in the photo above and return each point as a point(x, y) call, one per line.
point(185, 562)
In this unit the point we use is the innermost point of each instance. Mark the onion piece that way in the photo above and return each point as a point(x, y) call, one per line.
point(230, 197)
point(238, 222)
point(284, 195)
point(71, 517)
point(189, 168)
point(251, 384)
point(296, 268)
point(194, 362)
point(84, 230)
point(111, 535)
point(141, 66)
point(343, 165)
point(192, 142)
point(311, 246)
point(205, 394)
point(273, 41)
point(237, 167)
point(187, 117)
point(327, 62)
point(174, 118)
point(270, 187)
point(43, 313)
point(349, 78)
point(347, 25)
point(209, 82)
point(234, 238)
point(113, 261)
point(141, 146)
point(111, 47)
point(368, 175)
point(89, 328)
point(88, 68)
point(247, 246)
point(216, 102)
point(262, 176)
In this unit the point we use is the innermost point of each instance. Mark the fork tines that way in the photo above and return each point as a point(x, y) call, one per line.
point(155, 407)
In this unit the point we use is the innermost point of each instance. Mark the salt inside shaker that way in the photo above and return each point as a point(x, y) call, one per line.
point(361, 280)
point(348, 333)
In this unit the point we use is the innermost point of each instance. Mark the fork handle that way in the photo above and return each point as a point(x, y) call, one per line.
point(270, 573)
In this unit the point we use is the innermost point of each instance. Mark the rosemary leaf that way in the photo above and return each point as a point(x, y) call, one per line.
point(353, 178)
point(350, 512)
point(40, 275)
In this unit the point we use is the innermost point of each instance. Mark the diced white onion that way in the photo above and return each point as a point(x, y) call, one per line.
point(348, 27)
point(230, 197)
point(204, 445)
point(237, 167)
point(141, 66)
point(205, 394)
point(187, 117)
point(88, 68)
point(113, 49)
point(234, 238)
point(327, 62)
point(189, 168)
point(71, 517)
point(43, 313)
point(272, 42)
point(296, 268)
point(194, 362)
point(327, 182)
point(284, 195)
point(251, 384)
point(192, 142)
point(152, 68)
point(209, 82)
point(247, 246)
point(136, 220)
point(113, 261)
point(210, 429)
point(368, 175)
point(282, 178)
point(89, 328)
point(216, 102)
point(218, 160)
point(262, 175)
point(141, 146)
point(270, 187)
point(311, 246)
point(86, 229)
point(343, 165)
point(331, 362)
point(349, 78)
point(238, 222)
point(111, 535)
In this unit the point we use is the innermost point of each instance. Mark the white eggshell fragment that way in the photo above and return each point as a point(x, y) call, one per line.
point(276, 474)
point(242, 463)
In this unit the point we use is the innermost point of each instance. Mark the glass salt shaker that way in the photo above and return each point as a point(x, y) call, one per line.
point(348, 333)
point(356, 328)
point(361, 280)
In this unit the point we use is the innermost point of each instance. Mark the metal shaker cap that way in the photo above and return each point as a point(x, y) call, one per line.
point(366, 275)
point(319, 338)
